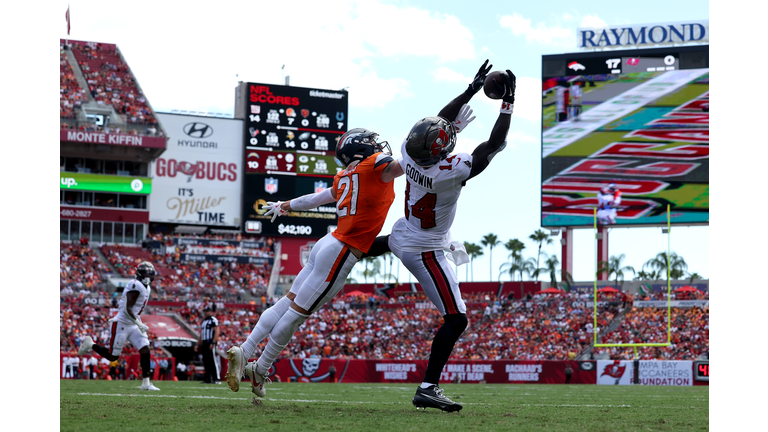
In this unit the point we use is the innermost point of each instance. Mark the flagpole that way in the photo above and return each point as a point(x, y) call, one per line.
point(68, 20)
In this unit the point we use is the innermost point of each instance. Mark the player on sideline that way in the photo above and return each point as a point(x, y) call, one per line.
point(127, 325)
point(363, 193)
point(434, 179)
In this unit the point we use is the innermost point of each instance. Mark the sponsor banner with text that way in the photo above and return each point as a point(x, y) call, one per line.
point(208, 242)
point(405, 371)
point(197, 180)
point(672, 303)
point(111, 139)
point(666, 373)
point(103, 214)
point(615, 372)
point(226, 258)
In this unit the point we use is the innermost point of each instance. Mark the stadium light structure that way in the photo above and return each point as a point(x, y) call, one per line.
point(668, 231)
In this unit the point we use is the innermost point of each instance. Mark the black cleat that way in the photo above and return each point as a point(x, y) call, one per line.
point(432, 397)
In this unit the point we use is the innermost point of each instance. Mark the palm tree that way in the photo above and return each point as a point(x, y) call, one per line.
point(613, 267)
point(490, 240)
point(514, 246)
point(550, 266)
point(540, 237)
point(519, 266)
point(694, 276)
point(473, 251)
point(374, 270)
point(661, 262)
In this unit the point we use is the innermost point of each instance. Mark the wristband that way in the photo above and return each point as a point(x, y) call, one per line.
point(506, 108)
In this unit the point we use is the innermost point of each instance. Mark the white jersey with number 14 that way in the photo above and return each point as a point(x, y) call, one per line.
point(431, 197)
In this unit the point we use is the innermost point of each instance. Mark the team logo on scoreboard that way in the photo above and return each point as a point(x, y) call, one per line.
point(304, 113)
point(339, 116)
point(576, 66)
point(290, 112)
point(270, 185)
point(320, 186)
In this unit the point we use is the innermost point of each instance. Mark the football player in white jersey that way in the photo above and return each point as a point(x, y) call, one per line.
point(608, 200)
point(434, 179)
point(127, 325)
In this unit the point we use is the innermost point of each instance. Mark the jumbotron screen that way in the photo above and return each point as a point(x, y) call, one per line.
point(626, 133)
point(289, 151)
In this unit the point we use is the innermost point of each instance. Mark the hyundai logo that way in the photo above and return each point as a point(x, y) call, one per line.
point(198, 130)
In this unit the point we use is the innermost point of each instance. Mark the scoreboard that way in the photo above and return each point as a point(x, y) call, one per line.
point(289, 150)
point(637, 119)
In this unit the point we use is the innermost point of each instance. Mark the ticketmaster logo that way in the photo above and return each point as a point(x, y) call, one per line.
point(315, 93)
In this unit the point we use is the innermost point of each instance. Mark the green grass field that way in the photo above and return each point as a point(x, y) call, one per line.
point(192, 406)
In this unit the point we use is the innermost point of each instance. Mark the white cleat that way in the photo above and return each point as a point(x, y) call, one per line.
point(85, 346)
point(235, 368)
point(150, 387)
point(257, 380)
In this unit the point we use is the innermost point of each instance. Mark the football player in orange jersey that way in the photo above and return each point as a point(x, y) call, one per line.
point(363, 193)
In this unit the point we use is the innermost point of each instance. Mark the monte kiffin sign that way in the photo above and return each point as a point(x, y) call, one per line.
point(111, 139)
point(678, 33)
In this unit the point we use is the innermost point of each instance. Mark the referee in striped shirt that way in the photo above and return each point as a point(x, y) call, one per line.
point(209, 336)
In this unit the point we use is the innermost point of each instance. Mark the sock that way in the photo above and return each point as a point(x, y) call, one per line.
point(442, 345)
point(279, 338)
point(264, 326)
point(145, 382)
point(426, 385)
point(100, 350)
point(144, 362)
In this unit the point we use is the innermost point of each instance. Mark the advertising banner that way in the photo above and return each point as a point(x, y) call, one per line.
point(104, 183)
point(405, 371)
point(666, 373)
point(226, 258)
point(197, 180)
point(111, 139)
point(208, 242)
point(673, 303)
point(615, 372)
point(71, 366)
point(104, 214)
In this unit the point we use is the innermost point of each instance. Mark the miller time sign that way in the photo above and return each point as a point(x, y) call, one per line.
point(644, 35)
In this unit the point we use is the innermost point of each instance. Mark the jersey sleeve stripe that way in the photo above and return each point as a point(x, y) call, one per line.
point(383, 161)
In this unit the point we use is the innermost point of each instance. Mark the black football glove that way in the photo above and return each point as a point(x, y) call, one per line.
point(510, 81)
point(479, 80)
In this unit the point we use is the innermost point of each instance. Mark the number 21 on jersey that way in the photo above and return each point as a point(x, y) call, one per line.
point(423, 209)
point(347, 204)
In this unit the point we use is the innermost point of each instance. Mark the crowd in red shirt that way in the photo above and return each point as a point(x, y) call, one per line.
point(71, 95)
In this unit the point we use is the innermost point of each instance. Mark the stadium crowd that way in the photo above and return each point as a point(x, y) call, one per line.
point(71, 95)
point(80, 270)
point(689, 331)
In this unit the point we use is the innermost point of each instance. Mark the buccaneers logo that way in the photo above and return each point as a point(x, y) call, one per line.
point(439, 143)
point(614, 370)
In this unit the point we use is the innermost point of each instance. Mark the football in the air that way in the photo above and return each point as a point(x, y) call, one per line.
point(490, 89)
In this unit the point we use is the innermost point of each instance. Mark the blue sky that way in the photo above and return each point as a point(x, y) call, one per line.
point(401, 61)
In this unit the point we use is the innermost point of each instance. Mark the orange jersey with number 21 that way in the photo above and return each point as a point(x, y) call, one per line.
point(362, 201)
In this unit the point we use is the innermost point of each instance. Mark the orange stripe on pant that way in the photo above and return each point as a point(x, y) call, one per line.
point(337, 263)
point(442, 284)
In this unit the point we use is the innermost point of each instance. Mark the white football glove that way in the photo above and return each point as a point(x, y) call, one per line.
point(274, 209)
point(143, 328)
point(463, 119)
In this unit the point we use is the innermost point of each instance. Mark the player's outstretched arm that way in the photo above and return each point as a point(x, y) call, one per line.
point(305, 202)
point(450, 111)
point(486, 151)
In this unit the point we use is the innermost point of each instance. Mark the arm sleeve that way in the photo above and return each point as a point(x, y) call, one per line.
point(311, 201)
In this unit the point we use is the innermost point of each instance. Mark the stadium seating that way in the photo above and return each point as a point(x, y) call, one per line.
point(690, 334)
point(80, 270)
point(71, 95)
